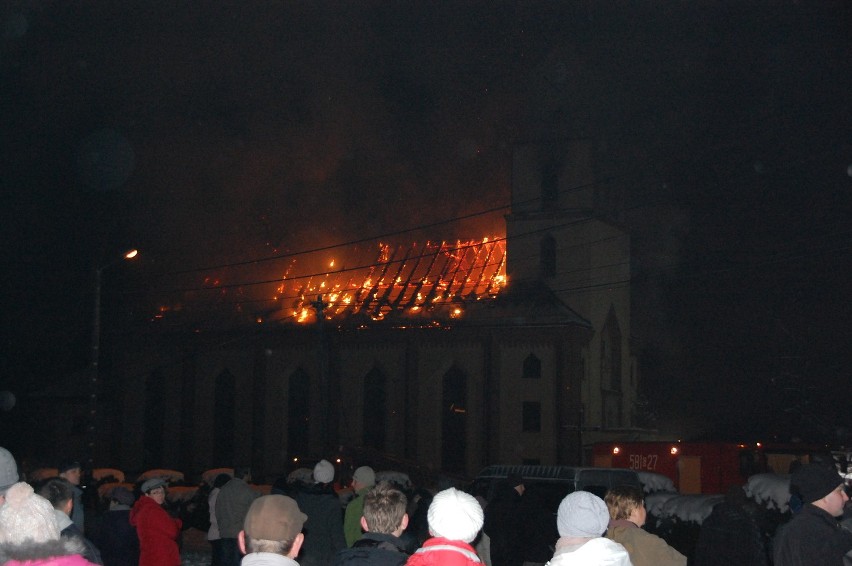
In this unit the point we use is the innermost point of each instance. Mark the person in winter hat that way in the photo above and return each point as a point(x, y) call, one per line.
point(8, 472)
point(582, 520)
point(29, 533)
point(363, 479)
point(325, 521)
point(455, 519)
point(814, 536)
point(272, 532)
point(158, 531)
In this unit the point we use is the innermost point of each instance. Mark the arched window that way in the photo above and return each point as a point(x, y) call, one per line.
point(532, 367)
point(547, 256)
point(299, 413)
point(375, 409)
point(454, 421)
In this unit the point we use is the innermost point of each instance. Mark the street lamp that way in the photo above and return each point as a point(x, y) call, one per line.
point(94, 379)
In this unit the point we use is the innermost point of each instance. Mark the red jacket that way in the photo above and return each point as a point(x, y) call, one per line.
point(444, 552)
point(158, 533)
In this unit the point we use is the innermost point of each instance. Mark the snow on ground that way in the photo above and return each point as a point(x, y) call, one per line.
point(772, 490)
point(652, 482)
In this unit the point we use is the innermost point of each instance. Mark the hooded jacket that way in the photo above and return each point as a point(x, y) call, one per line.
point(158, 533)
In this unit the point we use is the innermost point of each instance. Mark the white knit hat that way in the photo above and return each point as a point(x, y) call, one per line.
point(8, 470)
point(27, 516)
point(323, 472)
point(455, 515)
point(582, 514)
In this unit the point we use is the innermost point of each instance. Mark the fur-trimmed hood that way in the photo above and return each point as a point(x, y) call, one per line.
point(39, 550)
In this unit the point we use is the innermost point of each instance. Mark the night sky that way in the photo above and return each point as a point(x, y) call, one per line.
point(211, 133)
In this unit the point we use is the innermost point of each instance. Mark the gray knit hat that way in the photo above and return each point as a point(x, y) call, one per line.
point(583, 515)
point(8, 470)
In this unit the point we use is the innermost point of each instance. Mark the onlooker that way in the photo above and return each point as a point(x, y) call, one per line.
point(582, 520)
point(8, 472)
point(455, 518)
point(730, 535)
point(157, 530)
point(363, 479)
point(504, 523)
point(73, 472)
point(29, 533)
point(627, 515)
point(116, 537)
point(383, 521)
point(814, 536)
point(272, 532)
point(213, 532)
point(324, 527)
point(232, 504)
point(60, 493)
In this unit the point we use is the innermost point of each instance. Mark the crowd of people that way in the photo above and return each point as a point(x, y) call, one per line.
point(304, 523)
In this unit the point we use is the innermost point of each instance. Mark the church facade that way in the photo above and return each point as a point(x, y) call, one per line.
point(531, 374)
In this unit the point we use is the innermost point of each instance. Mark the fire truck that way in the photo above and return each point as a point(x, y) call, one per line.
point(704, 467)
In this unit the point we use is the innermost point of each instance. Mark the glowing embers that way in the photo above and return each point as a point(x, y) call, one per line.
point(429, 282)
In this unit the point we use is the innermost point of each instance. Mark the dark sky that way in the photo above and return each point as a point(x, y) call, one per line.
point(207, 133)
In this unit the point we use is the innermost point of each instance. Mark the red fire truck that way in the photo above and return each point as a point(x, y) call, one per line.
point(702, 467)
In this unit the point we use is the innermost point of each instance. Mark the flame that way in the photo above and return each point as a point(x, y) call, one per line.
point(424, 282)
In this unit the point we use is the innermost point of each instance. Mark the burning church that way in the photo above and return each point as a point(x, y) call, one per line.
point(511, 349)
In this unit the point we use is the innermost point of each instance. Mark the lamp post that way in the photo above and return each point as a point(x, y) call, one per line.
point(94, 378)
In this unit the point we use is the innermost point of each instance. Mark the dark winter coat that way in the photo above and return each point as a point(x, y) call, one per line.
point(91, 552)
point(729, 536)
point(232, 504)
point(812, 537)
point(324, 527)
point(158, 533)
point(504, 525)
point(116, 538)
point(374, 549)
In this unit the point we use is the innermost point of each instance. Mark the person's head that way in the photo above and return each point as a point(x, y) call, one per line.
point(221, 480)
point(59, 492)
point(26, 518)
point(363, 477)
point(71, 471)
point(8, 472)
point(821, 486)
point(243, 473)
point(323, 472)
point(384, 510)
point(273, 524)
point(626, 502)
point(454, 515)
point(582, 515)
point(155, 488)
point(121, 497)
point(516, 482)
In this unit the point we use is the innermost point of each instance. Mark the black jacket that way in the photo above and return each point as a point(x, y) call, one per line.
point(374, 549)
point(812, 537)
